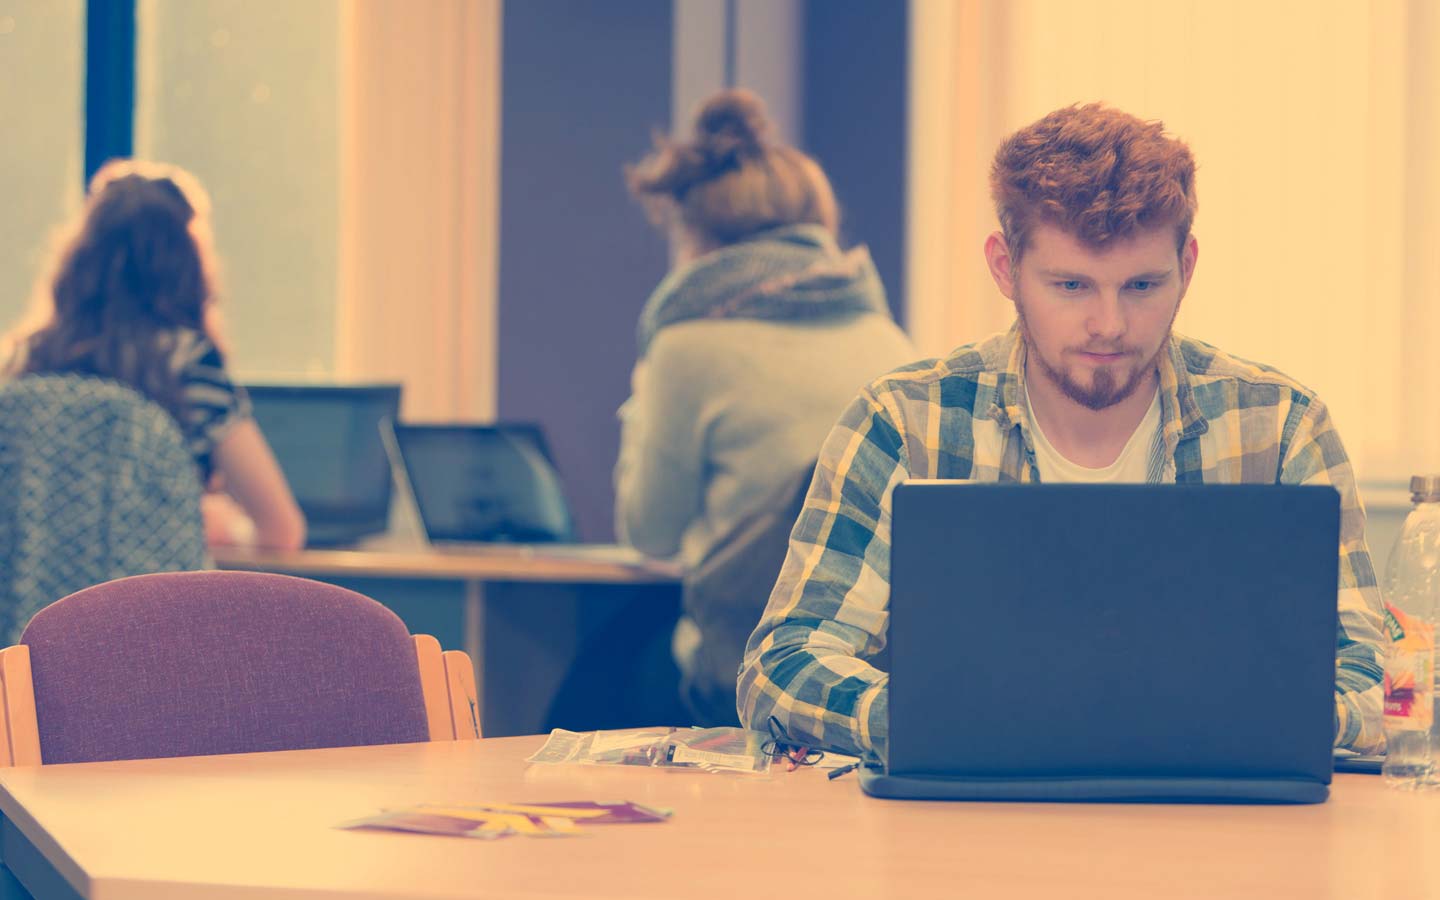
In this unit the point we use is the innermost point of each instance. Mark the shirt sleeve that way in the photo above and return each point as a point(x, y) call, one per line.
point(806, 663)
point(1316, 456)
point(212, 402)
point(659, 489)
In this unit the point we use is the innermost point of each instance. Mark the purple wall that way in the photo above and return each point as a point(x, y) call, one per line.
point(585, 83)
point(856, 65)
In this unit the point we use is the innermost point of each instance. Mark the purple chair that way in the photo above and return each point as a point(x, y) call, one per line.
point(197, 663)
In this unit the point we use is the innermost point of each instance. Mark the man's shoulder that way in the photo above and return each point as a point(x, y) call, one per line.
point(981, 362)
point(1210, 368)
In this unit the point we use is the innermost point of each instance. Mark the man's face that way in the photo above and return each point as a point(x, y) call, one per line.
point(1094, 322)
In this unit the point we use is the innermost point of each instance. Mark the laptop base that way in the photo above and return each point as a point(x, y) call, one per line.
point(877, 783)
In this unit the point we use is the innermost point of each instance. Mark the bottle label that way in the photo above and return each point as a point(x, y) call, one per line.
point(1409, 671)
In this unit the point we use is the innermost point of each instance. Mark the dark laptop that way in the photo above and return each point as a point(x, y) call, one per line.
point(328, 443)
point(1117, 642)
point(484, 484)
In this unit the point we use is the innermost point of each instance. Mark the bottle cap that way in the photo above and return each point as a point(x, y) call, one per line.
point(1425, 488)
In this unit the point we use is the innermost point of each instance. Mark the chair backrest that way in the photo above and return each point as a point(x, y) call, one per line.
point(95, 484)
point(197, 663)
point(725, 595)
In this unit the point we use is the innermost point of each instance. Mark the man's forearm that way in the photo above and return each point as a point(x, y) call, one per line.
point(829, 700)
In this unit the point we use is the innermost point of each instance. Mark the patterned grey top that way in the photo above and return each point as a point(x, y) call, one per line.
point(212, 403)
point(95, 484)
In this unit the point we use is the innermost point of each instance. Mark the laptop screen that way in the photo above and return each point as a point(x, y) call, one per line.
point(327, 441)
point(1112, 630)
point(484, 483)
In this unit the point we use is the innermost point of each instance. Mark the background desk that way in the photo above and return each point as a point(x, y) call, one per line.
point(523, 613)
point(262, 826)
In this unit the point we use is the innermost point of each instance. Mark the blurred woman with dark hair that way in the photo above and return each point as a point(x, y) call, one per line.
point(132, 299)
point(749, 349)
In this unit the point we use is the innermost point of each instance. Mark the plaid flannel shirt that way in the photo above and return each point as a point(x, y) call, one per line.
point(1223, 421)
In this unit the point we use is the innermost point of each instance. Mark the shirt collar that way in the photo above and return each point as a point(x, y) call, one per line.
point(1180, 415)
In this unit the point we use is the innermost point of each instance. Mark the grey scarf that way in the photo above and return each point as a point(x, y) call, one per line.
point(790, 274)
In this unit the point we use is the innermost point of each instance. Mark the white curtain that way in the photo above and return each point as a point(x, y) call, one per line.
point(419, 204)
point(1316, 125)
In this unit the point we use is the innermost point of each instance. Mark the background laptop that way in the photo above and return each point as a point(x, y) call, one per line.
point(328, 443)
point(1125, 642)
point(484, 484)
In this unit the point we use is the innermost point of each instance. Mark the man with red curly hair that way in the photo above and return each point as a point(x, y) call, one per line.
point(1090, 385)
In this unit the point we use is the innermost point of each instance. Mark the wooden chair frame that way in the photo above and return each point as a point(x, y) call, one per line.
point(447, 682)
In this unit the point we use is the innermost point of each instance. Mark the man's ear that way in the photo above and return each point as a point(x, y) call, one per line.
point(1002, 268)
point(1188, 257)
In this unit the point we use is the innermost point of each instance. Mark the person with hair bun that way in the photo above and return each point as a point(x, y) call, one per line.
point(748, 350)
point(130, 297)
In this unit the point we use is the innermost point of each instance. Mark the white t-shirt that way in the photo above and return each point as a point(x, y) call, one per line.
point(1130, 467)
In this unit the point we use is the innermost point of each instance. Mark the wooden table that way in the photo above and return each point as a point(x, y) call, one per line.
point(522, 619)
point(262, 826)
point(554, 564)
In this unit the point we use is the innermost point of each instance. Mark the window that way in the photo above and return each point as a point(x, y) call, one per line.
point(247, 96)
point(42, 94)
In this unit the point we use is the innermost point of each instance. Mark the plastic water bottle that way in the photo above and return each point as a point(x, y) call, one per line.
point(1412, 607)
